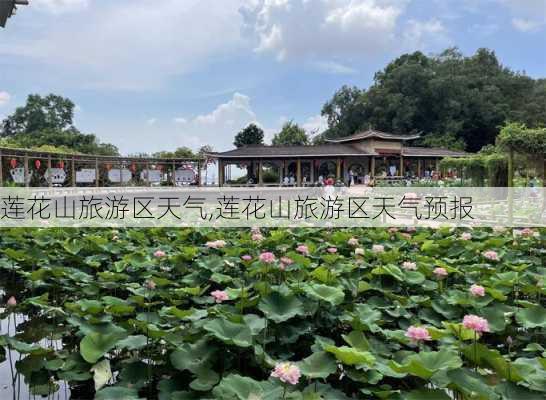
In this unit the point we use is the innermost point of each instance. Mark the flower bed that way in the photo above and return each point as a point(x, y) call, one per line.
point(272, 314)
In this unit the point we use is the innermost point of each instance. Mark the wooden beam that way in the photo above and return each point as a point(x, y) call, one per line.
point(298, 172)
point(260, 173)
point(48, 177)
point(73, 168)
point(26, 178)
point(1, 170)
point(97, 173)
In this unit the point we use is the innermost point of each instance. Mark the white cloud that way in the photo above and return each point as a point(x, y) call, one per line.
point(423, 34)
point(291, 29)
point(315, 124)
point(526, 25)
point(130, 44)
point(5, 98)
point(335, 68)
point(219, 126)
point(180, 120)
point(60, 6)
point(151, 121)
point(333, 34)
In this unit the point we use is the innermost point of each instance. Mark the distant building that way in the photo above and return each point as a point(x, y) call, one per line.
point(357, 157)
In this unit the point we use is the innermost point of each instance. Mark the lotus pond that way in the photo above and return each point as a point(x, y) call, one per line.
point(278, 314)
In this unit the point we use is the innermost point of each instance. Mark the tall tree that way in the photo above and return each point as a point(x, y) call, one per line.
point(51, 112)
point(291, 134)
point(250, 135)
point(451, 99)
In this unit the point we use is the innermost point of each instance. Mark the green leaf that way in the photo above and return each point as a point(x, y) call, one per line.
point(532, 317)
point(318, 365)
point(280, 308)
point(94, 345)
point(132, 342)
point(101, 374)
point(471, 384)
point(426, 394)
point(230, 332)
point(426, 364)
point(350, 356)
point(329, 294)
point(117, 393)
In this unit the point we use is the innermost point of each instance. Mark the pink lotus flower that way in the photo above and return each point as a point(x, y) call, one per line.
point(527, 232)
point(378, 248)
point(393, 230)
point(416, 334)
point(331, 250)
point(246, 257)
point(477, 290)
point(255, 229)
point(466, 236)
point(359, 251)
point(287, 373)
point(303, 249)
point(491, 255)
point(411, 229)
point(257, 237)
point(409, 266)
point(11, 302)
point(405, 235)
point(352, 242)
point(150, 284)
point(440, 272)
point(287, 260)
point(216, 244)
point(220, 296)
point(477, 324)
point(159, 254)
point(267, 257)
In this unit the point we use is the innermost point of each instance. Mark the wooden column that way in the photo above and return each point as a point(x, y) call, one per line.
point(173, 177)
point(312, 172)
point(437, 167)
point(401, 165)
point(1, 170)
point(511, 168)
point(198, 173)
point(220, 172)
point(48, 177)
point(281, 172)
point(26, 178)
point(373, 167)
point(260, 173)
point(73, 167)
point(338, 169)
point(97, 173)
point(298, 172)
point(419, 168)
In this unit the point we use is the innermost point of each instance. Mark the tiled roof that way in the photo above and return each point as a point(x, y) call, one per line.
point(370, 133)
point(291, 151)
point(431, 152)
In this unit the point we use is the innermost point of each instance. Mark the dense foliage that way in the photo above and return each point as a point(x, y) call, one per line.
point(251, 135)
point(455, 101)
point(209, 314)
point(291, 134)
point(49, 121)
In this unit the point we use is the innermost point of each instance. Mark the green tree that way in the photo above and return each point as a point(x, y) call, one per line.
point(49, 121)
point(180, 152)
point(449, 98)
point(52, 112)
point(250, 135)
point(291, 134)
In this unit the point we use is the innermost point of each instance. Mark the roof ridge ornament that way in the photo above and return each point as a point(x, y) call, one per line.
point(8, 8)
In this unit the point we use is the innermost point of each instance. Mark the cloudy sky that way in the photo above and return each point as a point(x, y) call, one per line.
point(149, 75)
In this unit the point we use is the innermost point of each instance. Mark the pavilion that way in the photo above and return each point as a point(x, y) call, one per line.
point(368, 153)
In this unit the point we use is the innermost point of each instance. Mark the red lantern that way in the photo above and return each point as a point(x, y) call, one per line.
point(13, 163)
point(133, 167)
point(37, 164)
point(108, 167)
point(61, 164)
